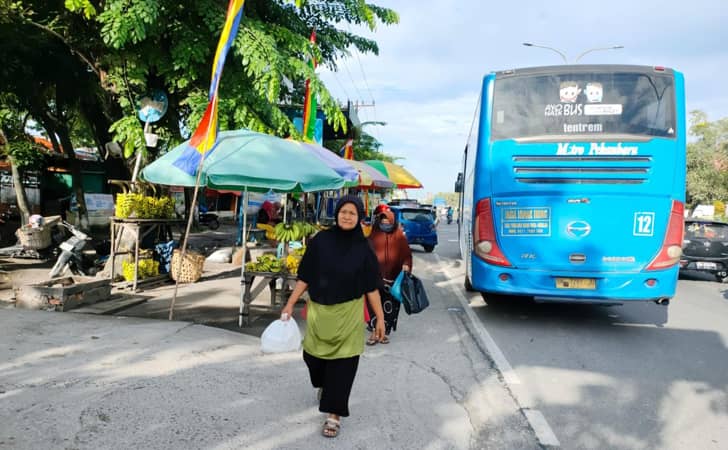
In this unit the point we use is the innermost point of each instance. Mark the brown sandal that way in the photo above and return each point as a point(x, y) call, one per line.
point(331, 427)
point(372, 341)
point(385, 340)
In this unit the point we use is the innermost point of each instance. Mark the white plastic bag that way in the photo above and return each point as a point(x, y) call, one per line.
point(281, 336)
point(223, 255)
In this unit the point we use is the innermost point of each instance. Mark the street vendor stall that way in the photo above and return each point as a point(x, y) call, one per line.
point(247, 161)
point(159, 229)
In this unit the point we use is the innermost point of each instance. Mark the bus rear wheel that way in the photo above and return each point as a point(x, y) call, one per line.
point(429, 248)
point(468, 286)
point(493, 299)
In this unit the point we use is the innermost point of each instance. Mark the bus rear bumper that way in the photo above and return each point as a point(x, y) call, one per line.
point(609, 288)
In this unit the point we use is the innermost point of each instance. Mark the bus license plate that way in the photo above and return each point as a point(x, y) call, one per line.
point(576, 283)
point(707, 265)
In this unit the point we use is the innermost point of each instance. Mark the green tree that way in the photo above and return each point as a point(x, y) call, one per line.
point(104, 55)
point(169, 45)
point(20, 150)
point(52, 78)
point(707, 160)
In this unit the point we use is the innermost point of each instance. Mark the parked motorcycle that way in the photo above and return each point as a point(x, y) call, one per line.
point(208, 219)
point(72, 255)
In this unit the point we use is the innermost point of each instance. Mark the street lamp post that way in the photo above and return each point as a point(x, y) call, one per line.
point(613, 47)
point(563, 55)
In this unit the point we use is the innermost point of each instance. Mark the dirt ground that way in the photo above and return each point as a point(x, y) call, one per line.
point(24, 271)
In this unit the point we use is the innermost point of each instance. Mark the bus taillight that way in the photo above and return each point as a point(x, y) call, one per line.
point(485, 245)
point(671, 249)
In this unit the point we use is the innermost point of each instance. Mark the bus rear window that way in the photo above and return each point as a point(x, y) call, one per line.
point(581, 103)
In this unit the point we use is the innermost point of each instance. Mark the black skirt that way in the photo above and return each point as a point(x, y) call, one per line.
point(335, 377)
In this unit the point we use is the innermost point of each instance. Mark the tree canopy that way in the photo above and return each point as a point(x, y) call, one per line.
point(78, 67)
point(97, 58)
point(707, 160)
point(139, 45)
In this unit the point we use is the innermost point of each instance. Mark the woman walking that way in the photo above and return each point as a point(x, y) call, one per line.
point(394, 255)
point(339, 269)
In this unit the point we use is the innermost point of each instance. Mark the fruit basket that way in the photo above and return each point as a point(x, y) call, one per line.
point(191, 269)
point(34, 238)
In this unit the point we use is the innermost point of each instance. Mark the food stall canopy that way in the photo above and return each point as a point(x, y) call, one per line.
point(369, 177)
point(246, 159)
point(396, 173)
point(333, 161)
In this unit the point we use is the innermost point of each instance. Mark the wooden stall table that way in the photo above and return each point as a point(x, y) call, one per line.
point(139, 228)
point(277, 296)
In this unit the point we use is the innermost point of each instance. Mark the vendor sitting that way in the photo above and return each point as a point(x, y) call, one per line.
point(268, 212)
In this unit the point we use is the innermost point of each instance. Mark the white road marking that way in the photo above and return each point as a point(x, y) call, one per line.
point(452, 240)
point(543, 431)
point(538, 422)
point(495, 352)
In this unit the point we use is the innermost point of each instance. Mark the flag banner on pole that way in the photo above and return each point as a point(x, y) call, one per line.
point(309, 102)
point(205, 136)
point(347, 151)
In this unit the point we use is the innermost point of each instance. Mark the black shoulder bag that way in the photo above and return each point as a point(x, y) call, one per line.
point(414, 297)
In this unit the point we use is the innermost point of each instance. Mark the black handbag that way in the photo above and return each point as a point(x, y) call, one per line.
point(414, 297)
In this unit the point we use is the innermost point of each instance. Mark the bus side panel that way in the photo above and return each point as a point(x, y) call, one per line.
point(471, 172)
point(680, 163)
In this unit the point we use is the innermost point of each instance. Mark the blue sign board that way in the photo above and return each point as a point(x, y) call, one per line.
point(318, 132)
point(153, 106)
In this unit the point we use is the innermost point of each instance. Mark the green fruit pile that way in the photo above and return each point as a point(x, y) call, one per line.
point(265, 263)
point(295, 231)
point(139, 206)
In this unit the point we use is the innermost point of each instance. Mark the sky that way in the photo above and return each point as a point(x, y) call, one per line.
point(425, 81)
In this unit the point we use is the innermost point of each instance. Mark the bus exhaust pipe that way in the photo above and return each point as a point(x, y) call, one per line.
point(663, 302)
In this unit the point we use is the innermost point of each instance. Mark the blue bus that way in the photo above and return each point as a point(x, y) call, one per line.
point(573, 184)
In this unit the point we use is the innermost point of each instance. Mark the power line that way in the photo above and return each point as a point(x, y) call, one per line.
point(346, 67)
point(341, 85)
point(366, 83)
point(363, 75)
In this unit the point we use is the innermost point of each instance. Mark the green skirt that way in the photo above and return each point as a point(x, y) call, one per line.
point(335, 331)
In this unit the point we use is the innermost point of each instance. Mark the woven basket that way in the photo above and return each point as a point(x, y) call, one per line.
point(34, 238)
point(191, 270)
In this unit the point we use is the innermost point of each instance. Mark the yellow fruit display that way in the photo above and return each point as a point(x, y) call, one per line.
point(270, 232)
point(132, 205)
point(292, 262)
point(147, 268)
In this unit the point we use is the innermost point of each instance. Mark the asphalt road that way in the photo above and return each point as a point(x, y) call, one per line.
point(637, 376)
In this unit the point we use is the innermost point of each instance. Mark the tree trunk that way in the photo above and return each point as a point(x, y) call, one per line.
point(22, 199)
point(75, 175)
point(20, 196)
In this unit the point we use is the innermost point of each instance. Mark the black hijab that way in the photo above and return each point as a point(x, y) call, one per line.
point(339, 265)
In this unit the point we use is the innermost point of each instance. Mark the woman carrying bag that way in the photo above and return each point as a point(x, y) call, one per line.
point(394, 255)
point(340, 270)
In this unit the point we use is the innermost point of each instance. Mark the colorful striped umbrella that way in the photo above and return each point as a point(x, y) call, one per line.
point(333, 161)
point(396, 173)
point(369, 177)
